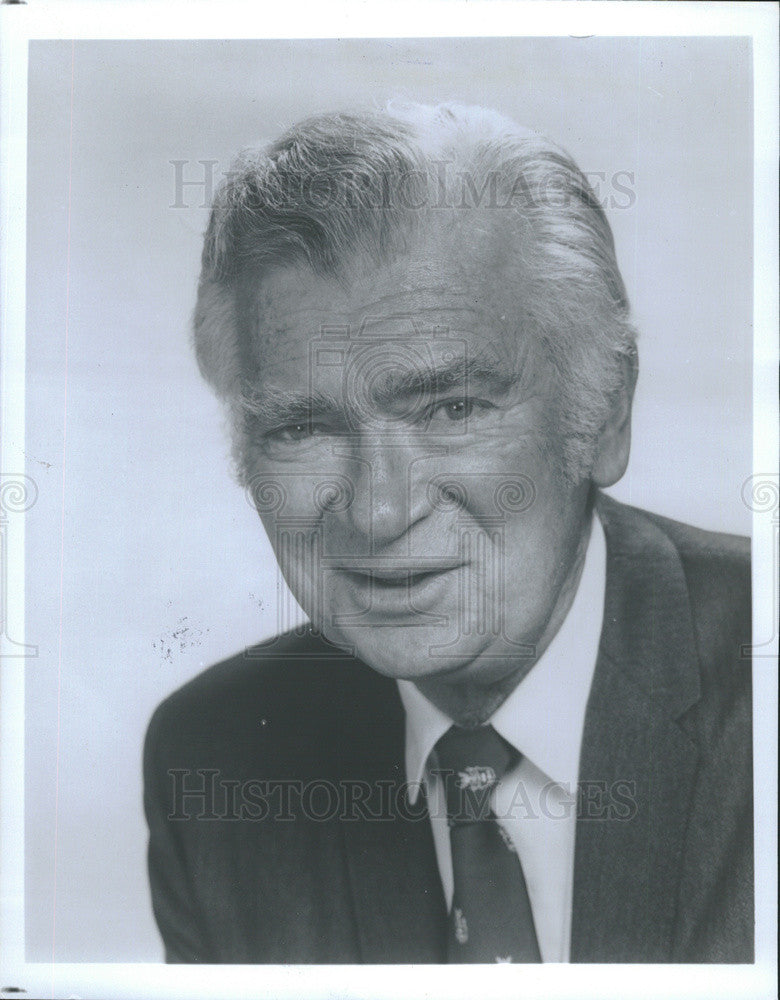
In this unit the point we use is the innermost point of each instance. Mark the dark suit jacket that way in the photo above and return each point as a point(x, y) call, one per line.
point(664, 848)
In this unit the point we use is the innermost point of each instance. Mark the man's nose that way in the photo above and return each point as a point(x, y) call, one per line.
point(385, 501)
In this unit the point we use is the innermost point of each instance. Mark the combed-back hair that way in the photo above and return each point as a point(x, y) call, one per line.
point(364, 186)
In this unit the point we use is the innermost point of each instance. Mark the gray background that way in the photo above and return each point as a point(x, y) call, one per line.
point(145, 562)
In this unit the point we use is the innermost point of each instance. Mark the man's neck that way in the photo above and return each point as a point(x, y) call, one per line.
point(469, 702)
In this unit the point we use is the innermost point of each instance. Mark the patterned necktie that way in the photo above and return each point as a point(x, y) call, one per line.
point(490, 918)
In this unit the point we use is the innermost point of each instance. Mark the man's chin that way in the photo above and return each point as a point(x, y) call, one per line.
point(407, 654)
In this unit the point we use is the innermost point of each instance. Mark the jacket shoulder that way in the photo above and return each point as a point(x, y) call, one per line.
point(716, 565)
point(714, 568)
point(706, 549)
point(717, 572)
point(257, 675)
point(290, 699)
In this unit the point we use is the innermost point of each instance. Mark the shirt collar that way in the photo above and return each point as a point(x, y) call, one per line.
point(544, 716)
point(425, 725)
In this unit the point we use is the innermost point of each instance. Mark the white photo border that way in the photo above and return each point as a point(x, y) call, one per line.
point(149, 19)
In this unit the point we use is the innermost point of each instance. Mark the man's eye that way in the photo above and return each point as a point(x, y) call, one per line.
point(293, 432)
point(296, 432)
point(457, 409)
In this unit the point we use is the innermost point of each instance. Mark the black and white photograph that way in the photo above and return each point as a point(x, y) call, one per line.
point(389, 503)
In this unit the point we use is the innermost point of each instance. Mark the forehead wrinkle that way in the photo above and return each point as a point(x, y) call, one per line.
point(276, 302)
point(371, 321)
point(372, 314)
point(421, 293)
point(290, 306)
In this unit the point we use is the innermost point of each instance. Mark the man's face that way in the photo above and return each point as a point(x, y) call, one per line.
point(406, 464)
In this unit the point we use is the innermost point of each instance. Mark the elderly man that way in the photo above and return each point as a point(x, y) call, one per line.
point(517, 726)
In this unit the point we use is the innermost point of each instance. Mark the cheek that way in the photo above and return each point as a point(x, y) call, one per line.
point(518, 478)
point(284, 497)
point(294, 531)
point(542, 531)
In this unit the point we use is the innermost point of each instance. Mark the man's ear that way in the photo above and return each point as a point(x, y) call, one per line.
point(614, 442)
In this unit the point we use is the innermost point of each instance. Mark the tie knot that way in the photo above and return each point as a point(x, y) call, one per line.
point(471, 762)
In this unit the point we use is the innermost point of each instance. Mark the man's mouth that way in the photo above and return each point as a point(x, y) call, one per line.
point(402, 579)
point(397, 575)
point(405, 591)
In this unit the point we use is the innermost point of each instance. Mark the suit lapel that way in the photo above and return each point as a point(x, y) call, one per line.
point(637, 765)
point(398, 902)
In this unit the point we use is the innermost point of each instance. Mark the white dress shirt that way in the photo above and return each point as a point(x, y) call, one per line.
point(543, 718)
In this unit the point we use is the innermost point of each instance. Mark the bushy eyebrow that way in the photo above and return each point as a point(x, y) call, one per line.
point(280, 407)
point(435, 379)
